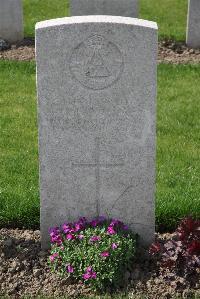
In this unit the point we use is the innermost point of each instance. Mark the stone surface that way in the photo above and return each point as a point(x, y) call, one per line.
point(125, 8)
point(4, 45)
point(193, 24)
point(11, 20)
point(96, 112)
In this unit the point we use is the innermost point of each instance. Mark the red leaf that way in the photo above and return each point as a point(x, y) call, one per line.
point(194, 247)
point(155, 248)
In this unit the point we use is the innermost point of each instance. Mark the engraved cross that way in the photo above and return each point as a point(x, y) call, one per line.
point(97, 165)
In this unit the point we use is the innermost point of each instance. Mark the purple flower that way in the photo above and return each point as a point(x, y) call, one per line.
point(66, 227)
point(53, 256)
point(95, 238)
point(55, 235)
point(57, 240)
point(86, 276)
point(54, 231)
point(114, 246)
point(105, 254)
point(70, 237)
point(94, 223)
point(89, 269)
point(111, 230)
point(70, 269)
point(78, 227)
point(115, 222)
point(125, 227)
point(89, 274)
point(83, 220)
point(93, 275)
point(101, 219)
point(80, 237)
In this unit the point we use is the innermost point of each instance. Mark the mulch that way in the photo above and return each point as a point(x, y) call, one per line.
point(169, 51)
point(24, 271)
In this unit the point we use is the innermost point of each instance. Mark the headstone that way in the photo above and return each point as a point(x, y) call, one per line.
point(126, 8)
point(193, 24)
point(96, 98)
point(11, 20)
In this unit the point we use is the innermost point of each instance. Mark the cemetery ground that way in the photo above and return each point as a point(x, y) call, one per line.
point(171, 22)
point(177, 186)
point(178, 165)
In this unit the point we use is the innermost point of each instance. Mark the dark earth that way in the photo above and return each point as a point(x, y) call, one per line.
point(24, 271)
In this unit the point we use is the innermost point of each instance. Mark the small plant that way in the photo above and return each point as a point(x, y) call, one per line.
point(182, 254)
point(96, 252)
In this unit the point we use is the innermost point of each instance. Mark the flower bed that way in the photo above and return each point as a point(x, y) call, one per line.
point(96, 252)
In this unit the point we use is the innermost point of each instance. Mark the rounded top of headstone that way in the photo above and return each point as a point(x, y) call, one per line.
point(96, 19)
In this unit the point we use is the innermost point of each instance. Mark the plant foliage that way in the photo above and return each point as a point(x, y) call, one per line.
point(182, 253)
point(96, 252)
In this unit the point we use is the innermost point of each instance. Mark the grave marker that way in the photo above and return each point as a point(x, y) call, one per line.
point(96, 112)
point(11, 20)
point(193, 24)
point(126, 8)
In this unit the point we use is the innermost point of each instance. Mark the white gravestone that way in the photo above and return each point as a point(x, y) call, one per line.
point(193, 24)
point(126, 8)
point(96, 112)
point(11, 20)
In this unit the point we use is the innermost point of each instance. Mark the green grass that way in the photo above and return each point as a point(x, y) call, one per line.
point(171, 15)
point(18, 145)
point(178, 145)
point(39, 10)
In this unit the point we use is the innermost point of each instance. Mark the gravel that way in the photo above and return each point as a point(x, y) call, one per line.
point(177, 53)
point(24, 271)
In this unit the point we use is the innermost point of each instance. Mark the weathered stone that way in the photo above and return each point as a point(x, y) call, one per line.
point(4, 45)
point(125, 8)
point(11, 20)
point(96, 112)
point(193, 24)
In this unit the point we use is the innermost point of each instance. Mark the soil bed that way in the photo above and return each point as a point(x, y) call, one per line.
point(24, 271)
point(169, 52)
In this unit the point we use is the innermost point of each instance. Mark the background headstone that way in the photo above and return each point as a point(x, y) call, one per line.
point(193, 24)
point(11, 20)
point(96, 112)
point(126, 8)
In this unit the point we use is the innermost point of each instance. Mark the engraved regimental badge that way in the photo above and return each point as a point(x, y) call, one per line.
point(96, 63)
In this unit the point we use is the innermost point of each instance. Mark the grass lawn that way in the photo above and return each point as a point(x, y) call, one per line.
point(171, 15)
point(178, 145)
point(19, 199)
